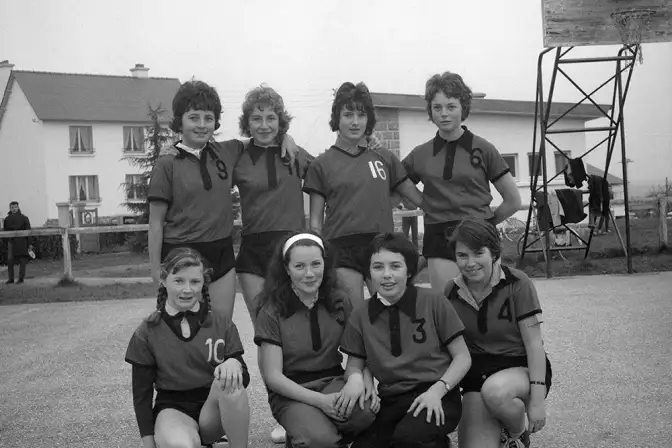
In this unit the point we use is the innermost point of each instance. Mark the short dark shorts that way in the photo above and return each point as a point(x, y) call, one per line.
point(188, 402)
point(256, 251)
point(435, 240)
point(218, 255)
point(352, 252)
point(484, 366)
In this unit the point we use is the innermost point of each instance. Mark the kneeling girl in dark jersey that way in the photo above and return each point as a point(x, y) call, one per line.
point(194, 359)
point(411, 338)
point(510, 373)
point(301, 317)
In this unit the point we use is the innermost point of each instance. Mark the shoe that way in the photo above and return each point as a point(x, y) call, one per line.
point(525, 438)
point(20, 281)
point(278, 435)
point(9, 282)
point(506, 441)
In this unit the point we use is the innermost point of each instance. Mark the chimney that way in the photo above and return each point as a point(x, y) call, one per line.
point(140, 71)
point(5, 71)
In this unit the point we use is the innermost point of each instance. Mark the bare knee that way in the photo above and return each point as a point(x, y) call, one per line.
point(178, 440)
point(234, 397)
point(496, 395)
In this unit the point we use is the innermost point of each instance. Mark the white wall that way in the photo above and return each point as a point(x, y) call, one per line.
point(106, 163)
point(22, 176)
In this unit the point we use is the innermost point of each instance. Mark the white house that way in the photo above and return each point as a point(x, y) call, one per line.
point(63, 137)
point(509, 125)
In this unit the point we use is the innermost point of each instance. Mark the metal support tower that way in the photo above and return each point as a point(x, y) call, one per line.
point(545, 128)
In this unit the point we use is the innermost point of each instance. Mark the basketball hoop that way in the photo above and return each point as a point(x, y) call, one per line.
point(630, 24)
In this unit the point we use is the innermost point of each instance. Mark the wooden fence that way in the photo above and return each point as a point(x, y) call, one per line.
point(65, 233)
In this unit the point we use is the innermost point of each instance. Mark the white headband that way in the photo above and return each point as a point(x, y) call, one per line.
point(301, 236)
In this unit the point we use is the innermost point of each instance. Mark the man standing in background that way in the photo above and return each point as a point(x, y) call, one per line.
point(18, 249)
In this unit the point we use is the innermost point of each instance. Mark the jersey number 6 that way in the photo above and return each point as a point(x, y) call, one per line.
point(377, 169)
point(212, 350)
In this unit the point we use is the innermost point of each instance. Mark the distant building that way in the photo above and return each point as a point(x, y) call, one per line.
point(63, 136)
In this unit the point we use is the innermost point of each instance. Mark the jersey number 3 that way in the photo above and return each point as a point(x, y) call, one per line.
point(377, 170)
point(212, 350)
point(420, 335)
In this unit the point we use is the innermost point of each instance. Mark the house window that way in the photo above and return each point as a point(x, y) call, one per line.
point(512, 161)
point(134, 139)
point(534, 160)
point(84, 188)
point(81, 140)
point(561, 161)
point(136, 187)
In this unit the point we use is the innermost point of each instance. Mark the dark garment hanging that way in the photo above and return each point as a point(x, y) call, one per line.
point(599, 199)
point(544, 218)
point(575, 173)
point(572, 204)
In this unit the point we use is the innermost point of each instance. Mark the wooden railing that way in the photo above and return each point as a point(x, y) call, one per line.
point(65, 233)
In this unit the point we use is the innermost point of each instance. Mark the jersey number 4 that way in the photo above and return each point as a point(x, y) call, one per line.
point(212, 350)
point(377, 170)
point(505, 311)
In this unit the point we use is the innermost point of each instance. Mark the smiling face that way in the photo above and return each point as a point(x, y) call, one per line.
point(475, 265)
point(197, 127)
point(264, 124)
point(184, 287)
point(389, 274)
point(352, 123)
point(306, 269)
point(446, 113)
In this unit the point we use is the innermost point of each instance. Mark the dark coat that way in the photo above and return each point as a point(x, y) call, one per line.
point(18, 221)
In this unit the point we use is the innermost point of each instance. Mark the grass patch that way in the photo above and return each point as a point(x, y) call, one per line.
point(26, 293)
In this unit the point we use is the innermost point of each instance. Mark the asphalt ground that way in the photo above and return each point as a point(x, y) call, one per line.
point(63, 381)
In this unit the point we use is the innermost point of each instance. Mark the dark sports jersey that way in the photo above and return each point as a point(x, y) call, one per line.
point(184, 364)
point(456, 176)
point(356, 189)
point(493, 328)
point(405, 344)
point(271, 198)
point(198, 192)
point(309, 338)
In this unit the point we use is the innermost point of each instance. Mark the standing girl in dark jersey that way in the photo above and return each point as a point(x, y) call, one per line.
point(302, 313)
point(456, 168)
point(190, 192)
point(355, 185)
point(270, 189)
point(510, 373)
point(194, 359)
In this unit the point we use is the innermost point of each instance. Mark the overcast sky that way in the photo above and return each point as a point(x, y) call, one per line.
point(302, 48)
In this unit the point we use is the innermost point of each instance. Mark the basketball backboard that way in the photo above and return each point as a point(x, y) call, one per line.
point(570, 23)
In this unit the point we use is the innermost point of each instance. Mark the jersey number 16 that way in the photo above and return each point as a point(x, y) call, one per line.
point(377, 170)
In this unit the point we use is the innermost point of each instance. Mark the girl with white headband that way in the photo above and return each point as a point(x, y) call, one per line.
point(301, 316)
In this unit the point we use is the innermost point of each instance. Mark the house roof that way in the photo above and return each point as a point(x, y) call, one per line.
point(481, 105)
point(79, 97)
point(613, 180)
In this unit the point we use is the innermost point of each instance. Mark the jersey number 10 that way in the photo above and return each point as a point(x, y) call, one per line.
point(212, 350)
point(377, 170)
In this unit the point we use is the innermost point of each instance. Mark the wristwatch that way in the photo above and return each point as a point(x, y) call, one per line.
point(447, 385)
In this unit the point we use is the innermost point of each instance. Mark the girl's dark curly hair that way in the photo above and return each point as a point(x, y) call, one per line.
point(278, 292)
point(353, 97)
point(453, 86)
point(195, 95)
point(476, 234)
point(264, 96)
point(176, 260)
point(397, 243)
